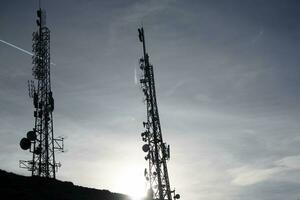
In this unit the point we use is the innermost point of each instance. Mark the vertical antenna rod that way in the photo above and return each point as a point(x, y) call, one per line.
point(157, 151)
point(40, 141)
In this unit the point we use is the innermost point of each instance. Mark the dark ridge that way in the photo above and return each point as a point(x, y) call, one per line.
point(16, 187)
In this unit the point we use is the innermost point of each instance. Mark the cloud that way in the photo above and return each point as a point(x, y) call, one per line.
point(141, 9)
point(258, 36)
point(249, 175)
point(172, 90)
point(232, 113)
point(290, 162)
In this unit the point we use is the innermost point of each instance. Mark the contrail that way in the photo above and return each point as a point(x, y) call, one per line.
point(135, 77)
point(14, 46)
point(19, 48)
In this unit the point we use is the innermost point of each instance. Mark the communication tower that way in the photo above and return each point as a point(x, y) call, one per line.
point(158, 152)
point(40, 140)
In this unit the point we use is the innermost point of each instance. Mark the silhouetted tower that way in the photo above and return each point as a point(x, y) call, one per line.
point(40, 141)
point(157, 151)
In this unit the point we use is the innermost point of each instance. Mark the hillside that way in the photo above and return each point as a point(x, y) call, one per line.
point(18, 187)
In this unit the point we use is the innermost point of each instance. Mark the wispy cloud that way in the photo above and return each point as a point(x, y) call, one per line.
point(289, 163)
point(232, 115)
point(172, 90)
point(135, 76)
point(249, 175)
point(258, 36)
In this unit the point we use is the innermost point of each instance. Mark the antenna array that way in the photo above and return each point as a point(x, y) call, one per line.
point(40, 141)
point(158, 152)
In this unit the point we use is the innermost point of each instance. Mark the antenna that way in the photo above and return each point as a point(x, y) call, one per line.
point(157, 151)
point(40, 140)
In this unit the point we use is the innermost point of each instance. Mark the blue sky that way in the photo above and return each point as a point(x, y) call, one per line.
point(227, 75)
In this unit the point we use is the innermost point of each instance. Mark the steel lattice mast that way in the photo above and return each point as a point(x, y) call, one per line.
point(157, 151)
point(40, 141)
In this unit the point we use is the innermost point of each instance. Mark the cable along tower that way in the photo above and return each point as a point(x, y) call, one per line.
point(157, 151)
point(40, 140)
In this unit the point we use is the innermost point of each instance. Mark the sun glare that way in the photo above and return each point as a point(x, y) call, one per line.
point(132, 183)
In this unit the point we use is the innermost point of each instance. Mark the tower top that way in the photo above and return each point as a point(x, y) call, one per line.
point(41, 14)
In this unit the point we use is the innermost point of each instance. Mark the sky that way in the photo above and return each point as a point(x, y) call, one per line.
point(227, 79)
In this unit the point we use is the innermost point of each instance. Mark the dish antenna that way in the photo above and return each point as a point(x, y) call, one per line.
point(25, 144)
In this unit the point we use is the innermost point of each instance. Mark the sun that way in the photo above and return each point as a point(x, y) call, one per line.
point(131, 182)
